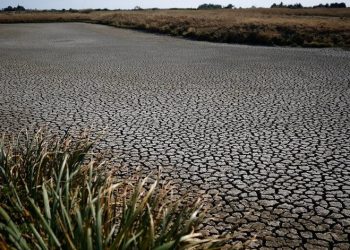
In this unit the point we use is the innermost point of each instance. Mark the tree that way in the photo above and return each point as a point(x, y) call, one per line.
point(230, 6)
point(8, 8)
point(209, 6)
point(18, 8)
point(337, 5)
point(332, 5)
point(290, 6)
point(295, 6)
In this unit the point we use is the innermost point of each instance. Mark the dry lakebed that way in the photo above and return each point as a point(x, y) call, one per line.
point(264, 132)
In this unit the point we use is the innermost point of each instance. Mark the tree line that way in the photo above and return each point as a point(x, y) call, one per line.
point(332, 5)
point(210, 6)
point(299, 6)
point(18, 8)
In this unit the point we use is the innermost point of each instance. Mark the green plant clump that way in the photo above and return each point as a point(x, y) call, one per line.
point(55, 194)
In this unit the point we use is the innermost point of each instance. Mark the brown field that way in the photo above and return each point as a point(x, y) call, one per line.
point(285, 27)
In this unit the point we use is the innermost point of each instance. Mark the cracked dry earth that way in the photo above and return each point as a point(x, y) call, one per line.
point(264, 131)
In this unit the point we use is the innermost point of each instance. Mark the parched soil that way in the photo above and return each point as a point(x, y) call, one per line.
point(263, 132)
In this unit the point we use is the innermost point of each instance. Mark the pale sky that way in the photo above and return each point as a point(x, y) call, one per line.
point(130, 4)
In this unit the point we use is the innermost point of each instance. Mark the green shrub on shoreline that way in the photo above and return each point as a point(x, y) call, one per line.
point(56, 195)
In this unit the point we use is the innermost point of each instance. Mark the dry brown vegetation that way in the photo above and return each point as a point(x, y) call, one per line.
point(286, 27)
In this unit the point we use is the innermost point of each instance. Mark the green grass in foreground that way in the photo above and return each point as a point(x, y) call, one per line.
point(56, 195)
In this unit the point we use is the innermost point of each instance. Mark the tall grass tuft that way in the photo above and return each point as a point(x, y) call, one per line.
point(56, 195)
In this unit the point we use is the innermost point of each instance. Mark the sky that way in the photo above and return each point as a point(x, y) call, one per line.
point(130, 4)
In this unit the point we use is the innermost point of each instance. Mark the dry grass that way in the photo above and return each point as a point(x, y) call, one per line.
point(298, 27)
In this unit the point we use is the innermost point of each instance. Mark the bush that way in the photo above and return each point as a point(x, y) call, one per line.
point(55, 194)
point(86, 11)
point(290, 6)
point(18, 8)
point(73, 10)
point(209, 6)
point(332, 5)
point(337, 5)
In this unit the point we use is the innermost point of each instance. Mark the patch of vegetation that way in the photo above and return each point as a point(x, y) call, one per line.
point(209, 6)
point(299, 6)
point(290, 6)
point(56, 194)
point(18, 8)
point(332, 5)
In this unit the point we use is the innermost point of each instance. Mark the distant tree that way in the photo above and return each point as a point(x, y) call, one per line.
point(299, 6)
point(86, 11)
point(295, 6)
point(73, 10)
point(332, 5)
point(209, 6)
point(8, 8)
point(230, 6)
point(291, 6)
point(337, 5)
point(18, 8)
point(137, 8)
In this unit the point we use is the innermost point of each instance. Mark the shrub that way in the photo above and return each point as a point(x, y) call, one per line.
point(332, 5)
point(209, 6)
point(18, 8)
point(55, 194)
point(290, 6)
point(86, 11)
point(73, 10)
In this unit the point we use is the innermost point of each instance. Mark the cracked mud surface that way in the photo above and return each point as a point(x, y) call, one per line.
point(268, 129)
